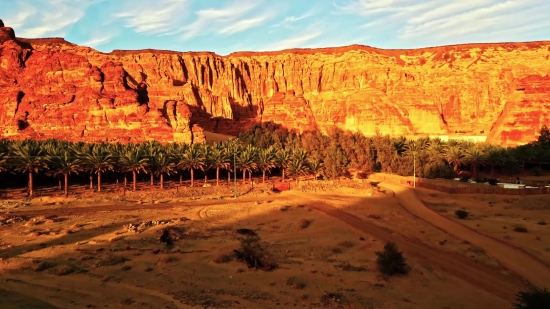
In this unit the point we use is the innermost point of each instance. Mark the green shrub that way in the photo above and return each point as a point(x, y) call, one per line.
point(391, 261)
point(462, 214)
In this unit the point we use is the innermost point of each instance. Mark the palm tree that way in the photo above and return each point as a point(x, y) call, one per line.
point(298, 168)
point(316, 167)
point(64, 161)
point(475, 157)
point(161, 163)
point(98, 159)
point(28, 157)
point(246, 160)
point(133, 160)
point(454, 155)
point(176, 150)
point(232, 147)
point(192, 159)
point(150, 148)
point(266, 160)
point(3, 155)
point(495, 156)
point(206, 149)
point(524, 153)
point(283, 160)
point(219, 159)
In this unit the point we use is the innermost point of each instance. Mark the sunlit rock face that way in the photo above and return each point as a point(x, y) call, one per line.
point(52, 88)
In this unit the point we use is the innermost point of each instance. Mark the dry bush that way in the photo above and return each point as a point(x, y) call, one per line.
point(372, 216)
point(475, 249)
point(462, 214)
point(542, 222)
point(391, 261)
point(304, 223)
point(246, 232)
point(296, 283)
point(346, 244)
point(112, 260)
point(44, 266)
point(337, 250)
point(66, 270)
point(329, 298)
point(253, 253)
point(520, 229)
point(223, 258)
point(345, 266)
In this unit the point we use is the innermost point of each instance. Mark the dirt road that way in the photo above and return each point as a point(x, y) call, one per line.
point(479, 275)
point(67, 211)
point(512, 258)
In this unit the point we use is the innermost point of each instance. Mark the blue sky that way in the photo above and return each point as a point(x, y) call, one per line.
point(225, 26)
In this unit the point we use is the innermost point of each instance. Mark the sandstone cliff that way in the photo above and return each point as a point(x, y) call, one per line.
point(54, 88)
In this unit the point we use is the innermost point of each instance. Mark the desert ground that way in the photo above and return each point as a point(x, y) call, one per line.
point(104, 251)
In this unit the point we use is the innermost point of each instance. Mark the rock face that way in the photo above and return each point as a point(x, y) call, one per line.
point(50, 87)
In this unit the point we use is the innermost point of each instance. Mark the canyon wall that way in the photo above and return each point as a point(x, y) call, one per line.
point(52, 88)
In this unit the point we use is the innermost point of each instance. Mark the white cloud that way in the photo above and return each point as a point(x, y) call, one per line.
point(228, 20)
point(444, 20)
point(35, 18)
point(154, 17)
point(292, 19)
point(303, 39)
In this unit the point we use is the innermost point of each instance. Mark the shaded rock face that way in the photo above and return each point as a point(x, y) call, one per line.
point(496, 90)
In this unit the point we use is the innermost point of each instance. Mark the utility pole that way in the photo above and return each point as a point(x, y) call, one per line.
point(235, 175)
point(414, 168)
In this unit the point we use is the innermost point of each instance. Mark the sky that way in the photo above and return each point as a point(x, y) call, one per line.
point(225, 26)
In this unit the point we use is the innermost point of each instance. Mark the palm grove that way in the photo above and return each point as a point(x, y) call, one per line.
point(266, 148)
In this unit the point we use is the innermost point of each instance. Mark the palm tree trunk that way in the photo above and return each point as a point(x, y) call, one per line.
point(456, 167)
point(250, 176)
point(181, 179)
point(91, 181)
point(125, 180)
point(217, 176)
point(244, 176)
point(192, 177)
point(228, 177)
point(283, 174)
point(152, 179)
point(31, 191)
point(59, 179)
point(161, 180)
point(263, 176)
point(134, 179)
point(492, 169)
point(205, 177)
point(66, 184)
point(99, 181)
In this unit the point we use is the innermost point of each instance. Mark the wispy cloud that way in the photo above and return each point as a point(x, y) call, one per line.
point(293, 19)
point(229, 19)
point(98, 40)
point(460, 21)
point(35, 18)
point(303, 39)
point(154, 17)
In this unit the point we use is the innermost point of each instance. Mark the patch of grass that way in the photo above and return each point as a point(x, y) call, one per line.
point(391, 261)
point(112, 260)
point(148, 269)
point(542, 222)
point(126, 267)
point(520, 229)
point(304, 223)
point(346, 244)
point(127, 301)
point(462, 214)
point(373, 216)
point(296, 283)
point(285, 208)
point(223, 258)
point(345, 266)
point(44, 266)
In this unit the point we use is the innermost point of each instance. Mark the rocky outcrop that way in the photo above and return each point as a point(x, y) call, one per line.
point(61, 88)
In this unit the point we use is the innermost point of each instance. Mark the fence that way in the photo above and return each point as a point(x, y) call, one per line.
point(480, 189)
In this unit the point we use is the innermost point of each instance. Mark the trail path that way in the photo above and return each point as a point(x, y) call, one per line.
point(482, 276)
point(510, 257)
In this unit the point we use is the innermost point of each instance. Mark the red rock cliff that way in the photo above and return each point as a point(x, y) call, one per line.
point(53, 88)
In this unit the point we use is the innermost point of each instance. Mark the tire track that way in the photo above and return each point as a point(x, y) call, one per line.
point(464, 268)
point(516, 260)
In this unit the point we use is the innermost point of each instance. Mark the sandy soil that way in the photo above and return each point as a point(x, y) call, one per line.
point(73, 255)
point(498, 216)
